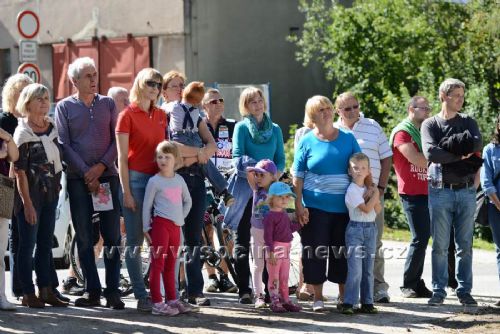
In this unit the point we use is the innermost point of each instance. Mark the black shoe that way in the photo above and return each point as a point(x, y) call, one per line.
point(60, 296)
point(225, 285)
point(114, 301)
point(88, 300)
point(199, 300)
point(422, 291)
point(368, 308)
point(246, 299)
point(71, 287)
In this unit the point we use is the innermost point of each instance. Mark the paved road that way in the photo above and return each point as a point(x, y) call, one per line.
point(226, 316)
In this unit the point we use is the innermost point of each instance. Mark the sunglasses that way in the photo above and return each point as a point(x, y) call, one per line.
point(354, 107)
point(423, 108)
point(154, 84)
point(216, 101)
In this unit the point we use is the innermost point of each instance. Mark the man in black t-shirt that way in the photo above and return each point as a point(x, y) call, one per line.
point(222, 131)
point(452, 200)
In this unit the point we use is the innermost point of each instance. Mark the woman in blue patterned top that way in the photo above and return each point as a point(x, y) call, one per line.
point(321, 180)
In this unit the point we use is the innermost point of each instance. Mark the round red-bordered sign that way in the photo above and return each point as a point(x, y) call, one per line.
point(31, 70)
point(28, 24)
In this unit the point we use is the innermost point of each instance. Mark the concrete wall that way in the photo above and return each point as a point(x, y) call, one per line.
point(244, 42)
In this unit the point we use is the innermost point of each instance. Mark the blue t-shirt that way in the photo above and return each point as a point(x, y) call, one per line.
point(323, 165)
point(274, 149)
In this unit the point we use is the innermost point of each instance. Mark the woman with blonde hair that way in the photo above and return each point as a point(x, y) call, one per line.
point(320, 181)
point(255, 138)
point(140, 128)
point(38, 173)
point(8, 122)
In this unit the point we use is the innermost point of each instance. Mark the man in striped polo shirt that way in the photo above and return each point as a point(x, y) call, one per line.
point(373, 142)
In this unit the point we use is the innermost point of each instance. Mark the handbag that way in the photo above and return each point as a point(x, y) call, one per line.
point(482, 200)
point(7, 189)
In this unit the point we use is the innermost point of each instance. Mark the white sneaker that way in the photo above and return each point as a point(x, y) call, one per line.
point(6, 305)
point(318, 306)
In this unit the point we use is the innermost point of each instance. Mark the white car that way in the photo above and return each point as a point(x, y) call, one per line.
point(63, 231)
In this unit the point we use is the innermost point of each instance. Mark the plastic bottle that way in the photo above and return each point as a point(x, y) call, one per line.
point(435, 175)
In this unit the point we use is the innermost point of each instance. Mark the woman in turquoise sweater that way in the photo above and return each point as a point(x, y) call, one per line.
point(255, 138)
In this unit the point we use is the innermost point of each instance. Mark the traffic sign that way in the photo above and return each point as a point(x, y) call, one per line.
point(28, 51)
point(28, 24)
point(31, 70)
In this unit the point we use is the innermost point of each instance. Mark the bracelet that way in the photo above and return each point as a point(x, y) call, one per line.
point(381, 188)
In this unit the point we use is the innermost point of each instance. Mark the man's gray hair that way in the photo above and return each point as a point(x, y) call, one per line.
point(113, 91)
point(206, 97)
point(414, 100)
point(76, 67)
point(450, 84)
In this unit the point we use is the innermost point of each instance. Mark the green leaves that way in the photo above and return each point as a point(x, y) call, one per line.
point(376, 47)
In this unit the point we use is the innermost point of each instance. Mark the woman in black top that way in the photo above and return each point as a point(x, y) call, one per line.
point(38, 173)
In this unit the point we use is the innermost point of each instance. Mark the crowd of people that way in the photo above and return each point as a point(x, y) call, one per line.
point(149, 163)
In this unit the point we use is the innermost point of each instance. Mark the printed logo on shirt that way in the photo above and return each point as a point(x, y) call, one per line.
point(173, 194)
point(260, 206)
point(223, 131)
point(224, 147)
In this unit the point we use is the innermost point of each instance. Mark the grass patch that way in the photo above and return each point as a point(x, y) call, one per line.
point(405, 236)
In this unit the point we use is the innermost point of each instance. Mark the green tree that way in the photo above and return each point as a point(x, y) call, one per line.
point(388, 50)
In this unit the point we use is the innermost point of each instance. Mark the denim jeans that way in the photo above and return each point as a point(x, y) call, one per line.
point(40, 235)
point(452, 208)
point(82, 209)
point(192, 233)
point(494, 220)
point(361, 241)
point(380, 285)
point(135, 236)
point(416, 208)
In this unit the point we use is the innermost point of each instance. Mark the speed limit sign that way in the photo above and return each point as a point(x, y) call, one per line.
point(31, 70)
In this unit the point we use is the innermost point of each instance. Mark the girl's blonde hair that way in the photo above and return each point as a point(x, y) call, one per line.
point(28, 94)
point(166, 147)
point(13, 86)
point(137, 91)
point(246, 95)
point(313, 105)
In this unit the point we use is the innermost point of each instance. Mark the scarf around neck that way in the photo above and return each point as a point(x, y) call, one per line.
point(407, 126)
point(260, 133)
point(24, 134)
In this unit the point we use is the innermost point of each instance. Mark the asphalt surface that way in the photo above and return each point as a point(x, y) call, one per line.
point(227, 316)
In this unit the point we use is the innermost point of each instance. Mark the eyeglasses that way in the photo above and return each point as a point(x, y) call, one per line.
point(354, 107)
point(456, 96)
point(216, 101)
point(423, 108)
point(180, 86)
point(154, 84)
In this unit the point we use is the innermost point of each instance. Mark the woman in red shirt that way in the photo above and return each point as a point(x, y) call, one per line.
point(140, 128)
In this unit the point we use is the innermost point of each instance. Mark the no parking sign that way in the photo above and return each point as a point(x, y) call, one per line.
point(31, 70)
